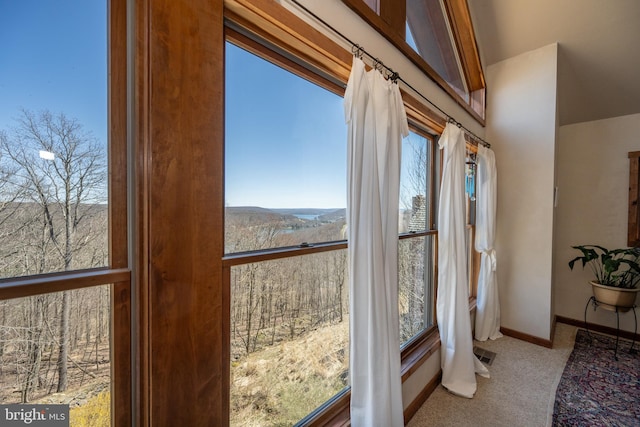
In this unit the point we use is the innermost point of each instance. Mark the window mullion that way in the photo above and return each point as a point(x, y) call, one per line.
point(394, 13)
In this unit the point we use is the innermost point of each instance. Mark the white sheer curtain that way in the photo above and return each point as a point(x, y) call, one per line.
point(459, 364)
point(376, 120)
point(488, 303)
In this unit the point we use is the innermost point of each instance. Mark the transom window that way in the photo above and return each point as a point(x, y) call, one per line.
point(429, 33)
point(438, 37)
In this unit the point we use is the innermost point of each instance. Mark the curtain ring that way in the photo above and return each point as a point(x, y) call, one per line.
point(356, 49)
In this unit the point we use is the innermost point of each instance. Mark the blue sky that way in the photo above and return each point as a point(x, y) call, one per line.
point(53, 55)
point(285, 138)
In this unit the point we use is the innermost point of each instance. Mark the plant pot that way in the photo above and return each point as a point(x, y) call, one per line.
point(611, 298)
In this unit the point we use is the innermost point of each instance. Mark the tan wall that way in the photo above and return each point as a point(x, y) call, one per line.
point(593, 178)
point(521, 126)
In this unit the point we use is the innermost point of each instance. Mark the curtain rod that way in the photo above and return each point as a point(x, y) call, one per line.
point(393, 75)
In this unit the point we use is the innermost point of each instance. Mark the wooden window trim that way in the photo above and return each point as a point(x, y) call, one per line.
point(280, 27)
point(633, 230)
point(121, 290)
point(268, 53)
point(394, 14)
point(182, 309)
point(231, 260)
point(464, 36)
point(18, 287)
point(464, 40)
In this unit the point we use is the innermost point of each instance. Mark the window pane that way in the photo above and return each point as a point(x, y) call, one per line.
point(414, 198)
point(31, 344)
point(53, 137)
point(374, 5)
point(428, 33)
point(415, 274)
point(289, 337)
point(285, 157)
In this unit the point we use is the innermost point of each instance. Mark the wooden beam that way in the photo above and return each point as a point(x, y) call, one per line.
point(394, 13)
point(464, 36)
point(180, 112)
point(633, 227)
point(277, 25)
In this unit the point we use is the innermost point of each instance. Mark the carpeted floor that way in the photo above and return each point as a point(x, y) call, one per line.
point(597, 390)
point(520, 391)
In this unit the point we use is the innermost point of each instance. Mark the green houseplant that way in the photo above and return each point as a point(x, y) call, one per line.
point(616, 271)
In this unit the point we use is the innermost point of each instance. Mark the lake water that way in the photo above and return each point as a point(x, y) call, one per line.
point(306, 216)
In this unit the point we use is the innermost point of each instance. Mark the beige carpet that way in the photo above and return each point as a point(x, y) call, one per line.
point(520, 391)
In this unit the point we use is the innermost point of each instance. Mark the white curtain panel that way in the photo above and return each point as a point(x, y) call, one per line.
point(459, 364)
point(376, 121)
point(488, 303)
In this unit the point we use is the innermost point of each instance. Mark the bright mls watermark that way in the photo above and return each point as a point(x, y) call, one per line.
point(34, 415)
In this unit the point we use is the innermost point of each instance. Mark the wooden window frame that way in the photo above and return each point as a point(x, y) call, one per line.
point(117, 274)
point(419, 347)
point(633, 230)
point(392, 27)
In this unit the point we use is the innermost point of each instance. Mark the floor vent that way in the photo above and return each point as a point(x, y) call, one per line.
point(485, 356)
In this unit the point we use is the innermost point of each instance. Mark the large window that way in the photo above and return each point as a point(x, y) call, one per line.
point(64, 279)
point(285, 239)
point(416, 247)
point(285, 182)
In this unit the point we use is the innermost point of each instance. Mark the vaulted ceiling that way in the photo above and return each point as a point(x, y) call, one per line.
point(599, 49)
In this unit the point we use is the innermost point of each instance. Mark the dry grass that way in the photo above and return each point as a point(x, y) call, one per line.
point(282, 384)
point(95, 413)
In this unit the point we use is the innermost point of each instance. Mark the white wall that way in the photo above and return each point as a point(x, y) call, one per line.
point(522, 126)
point(593, 178)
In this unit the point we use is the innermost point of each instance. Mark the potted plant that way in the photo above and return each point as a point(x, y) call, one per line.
point(617, 274)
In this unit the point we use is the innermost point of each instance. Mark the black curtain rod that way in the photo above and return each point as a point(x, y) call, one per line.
point(359, 51)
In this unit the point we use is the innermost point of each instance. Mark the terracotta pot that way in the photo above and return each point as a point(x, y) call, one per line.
point(610, 298)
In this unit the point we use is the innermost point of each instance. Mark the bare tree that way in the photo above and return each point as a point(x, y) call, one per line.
point(416, 183)
point(10, 193)
point(61, 169)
